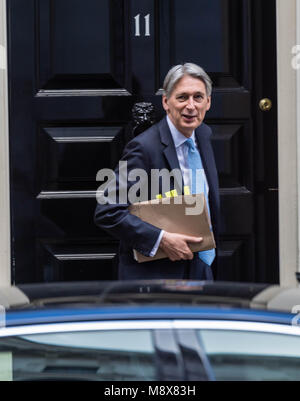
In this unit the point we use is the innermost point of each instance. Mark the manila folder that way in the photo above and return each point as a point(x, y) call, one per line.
point(184, 214)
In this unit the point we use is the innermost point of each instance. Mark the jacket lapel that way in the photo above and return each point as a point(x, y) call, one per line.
point(169, 148)
point(202, 137)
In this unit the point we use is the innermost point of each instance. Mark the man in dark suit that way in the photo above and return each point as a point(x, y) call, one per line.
point(186, 99)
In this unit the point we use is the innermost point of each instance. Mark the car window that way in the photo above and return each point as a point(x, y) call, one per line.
point(89, 355)
point(242, 355)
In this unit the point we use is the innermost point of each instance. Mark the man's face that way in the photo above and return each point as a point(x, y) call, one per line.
point(187, 105)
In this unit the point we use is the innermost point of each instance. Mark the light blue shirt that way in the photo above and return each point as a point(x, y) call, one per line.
point(181, 150)
point(182, 155)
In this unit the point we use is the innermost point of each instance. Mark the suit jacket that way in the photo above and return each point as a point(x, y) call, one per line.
point(153, 149)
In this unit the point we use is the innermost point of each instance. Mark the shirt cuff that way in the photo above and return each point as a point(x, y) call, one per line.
point(157, 243)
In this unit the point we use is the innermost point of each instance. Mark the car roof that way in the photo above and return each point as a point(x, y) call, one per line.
point(149, 292)
point(146, 292)
point(151, 299)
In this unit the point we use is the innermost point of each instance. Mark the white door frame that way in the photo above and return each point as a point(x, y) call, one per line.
point(288, 140)
point(5, 258)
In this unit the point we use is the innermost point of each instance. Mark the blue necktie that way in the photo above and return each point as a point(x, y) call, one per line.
point(195, 163)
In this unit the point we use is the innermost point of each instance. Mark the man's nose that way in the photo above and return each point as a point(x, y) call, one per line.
point(190, 104)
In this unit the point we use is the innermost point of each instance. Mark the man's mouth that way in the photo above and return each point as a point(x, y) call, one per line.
point(188, 117)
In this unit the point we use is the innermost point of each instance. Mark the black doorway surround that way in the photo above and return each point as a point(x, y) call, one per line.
point(76, 68)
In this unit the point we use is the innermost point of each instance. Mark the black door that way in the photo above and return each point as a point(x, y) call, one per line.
point(77, 67)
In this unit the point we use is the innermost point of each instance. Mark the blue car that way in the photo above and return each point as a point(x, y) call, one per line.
point(162, 330)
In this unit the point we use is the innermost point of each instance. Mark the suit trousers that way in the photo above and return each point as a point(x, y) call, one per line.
point(197, 270)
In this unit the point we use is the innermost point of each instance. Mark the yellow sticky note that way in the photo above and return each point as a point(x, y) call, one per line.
point(186, 190)
point(171, 194)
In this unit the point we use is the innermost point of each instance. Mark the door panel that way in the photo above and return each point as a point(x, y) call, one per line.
point(81, 45)
point(76, 69)
point(59, 170)
point(212, 37)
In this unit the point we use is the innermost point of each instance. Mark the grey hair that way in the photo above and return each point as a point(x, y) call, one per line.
point(178, 71)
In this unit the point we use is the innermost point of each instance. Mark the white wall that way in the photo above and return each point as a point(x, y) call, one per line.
point(288, 141)
point(5, 264)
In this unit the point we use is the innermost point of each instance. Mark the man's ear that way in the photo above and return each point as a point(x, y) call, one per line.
point(208, 103)
point(165, 103)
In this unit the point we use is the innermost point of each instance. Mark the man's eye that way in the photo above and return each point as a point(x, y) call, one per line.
point(198, 97)
point(181, 97)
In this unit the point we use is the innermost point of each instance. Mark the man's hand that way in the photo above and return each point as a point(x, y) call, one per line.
point(176, 246)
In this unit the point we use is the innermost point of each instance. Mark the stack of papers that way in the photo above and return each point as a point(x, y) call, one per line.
point(184, 214)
